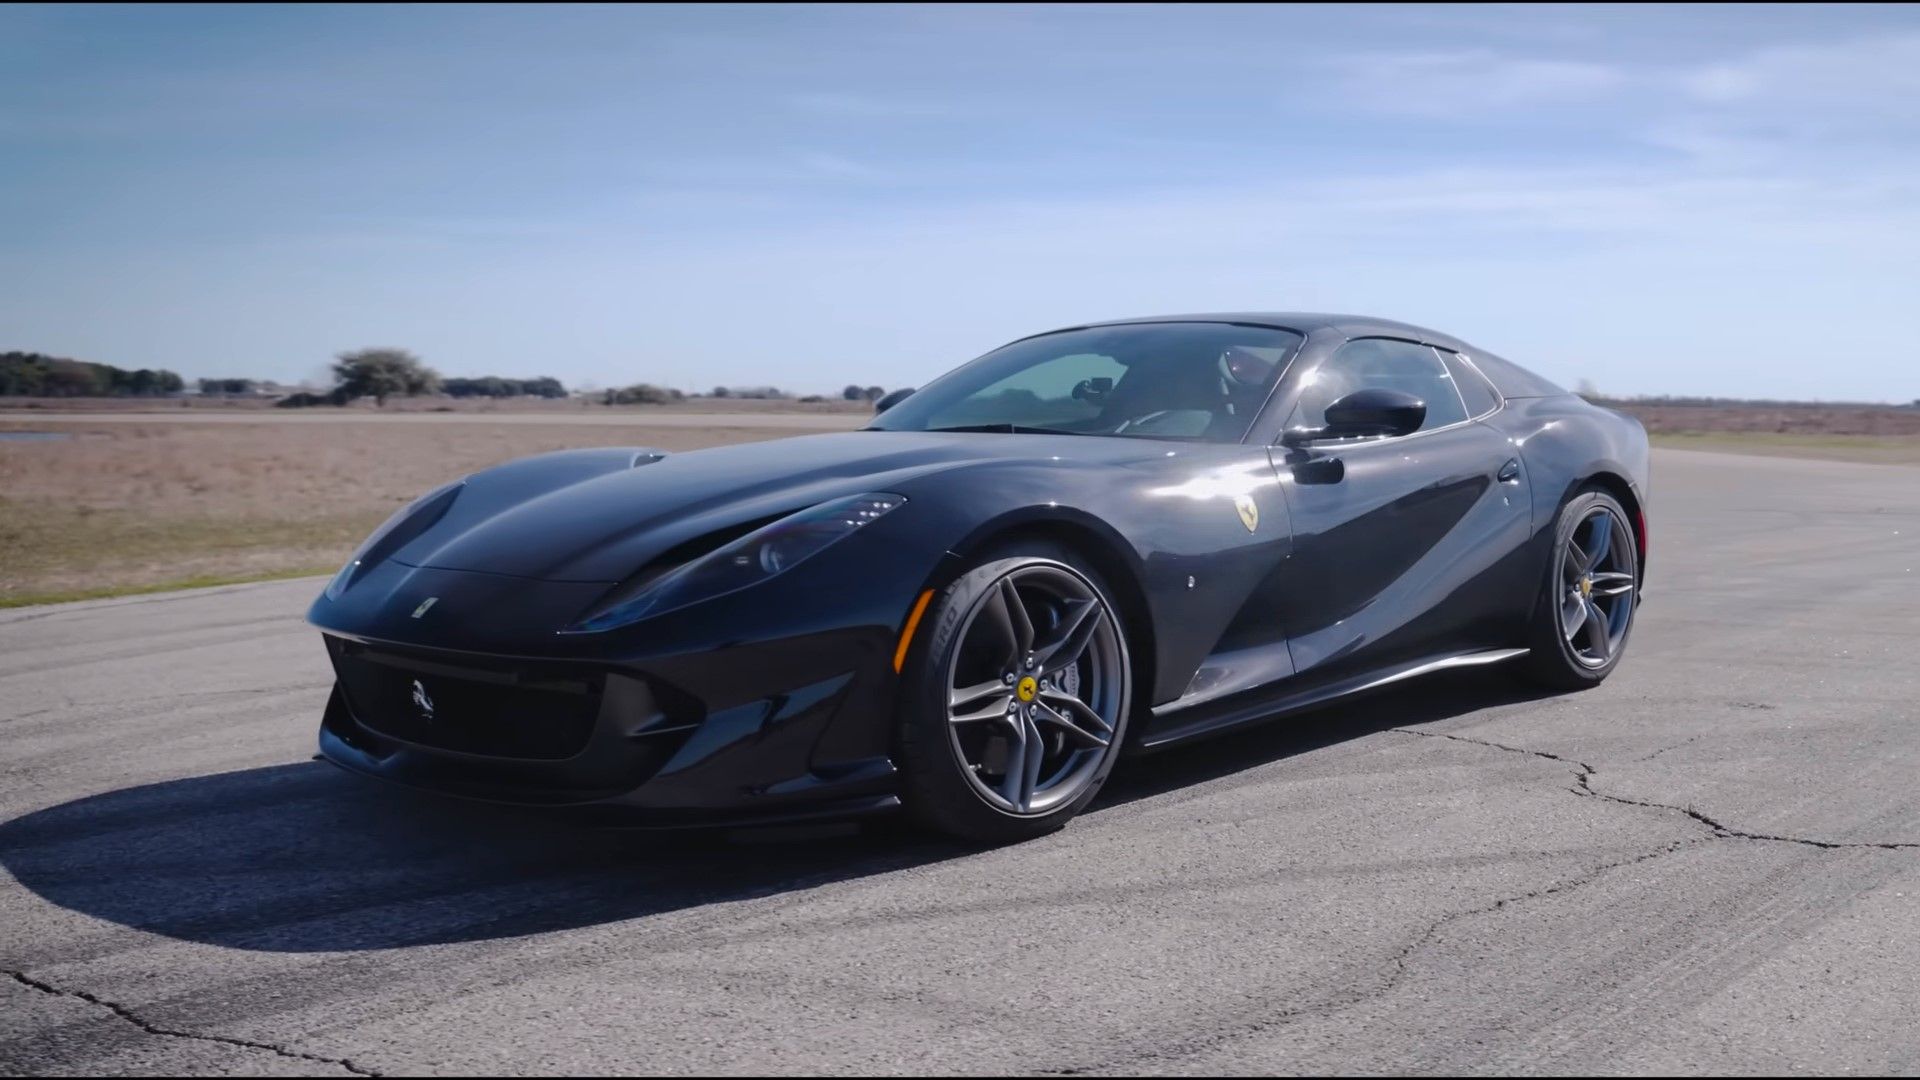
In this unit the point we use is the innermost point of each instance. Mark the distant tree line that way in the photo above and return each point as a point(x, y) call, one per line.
point(1688, 401)
point(30, 374)
point(750, 393)
point(493, 386)
point(378, 373)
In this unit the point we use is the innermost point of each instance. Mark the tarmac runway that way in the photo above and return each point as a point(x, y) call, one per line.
point(1709, 864)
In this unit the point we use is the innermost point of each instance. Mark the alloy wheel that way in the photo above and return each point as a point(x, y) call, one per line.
point(1598, 577)
point(1035, 688)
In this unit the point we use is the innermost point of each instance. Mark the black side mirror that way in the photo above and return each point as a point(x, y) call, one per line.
point(891, 399)
point(1374, 411)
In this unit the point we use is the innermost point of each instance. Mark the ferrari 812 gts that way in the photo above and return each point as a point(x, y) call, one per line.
point(1086, 544)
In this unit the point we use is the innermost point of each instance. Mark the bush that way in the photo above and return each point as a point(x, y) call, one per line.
point(642, 394)
point(494, 386)
point(305, 399)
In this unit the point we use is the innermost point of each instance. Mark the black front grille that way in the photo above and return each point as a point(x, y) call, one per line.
point(530, 713)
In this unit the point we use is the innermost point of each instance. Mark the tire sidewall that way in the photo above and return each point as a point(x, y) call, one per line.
point(935, 790)
point(1548, 636)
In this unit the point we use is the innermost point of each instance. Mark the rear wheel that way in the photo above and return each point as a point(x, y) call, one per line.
point(1586, 606)
point(1018, 700)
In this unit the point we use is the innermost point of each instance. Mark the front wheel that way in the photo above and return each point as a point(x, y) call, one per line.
point(1586, 606)
point(1017, 701)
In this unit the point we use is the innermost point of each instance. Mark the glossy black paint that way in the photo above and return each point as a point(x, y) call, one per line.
point(1366, 558)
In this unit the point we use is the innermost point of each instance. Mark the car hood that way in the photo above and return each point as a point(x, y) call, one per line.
point(600, 516)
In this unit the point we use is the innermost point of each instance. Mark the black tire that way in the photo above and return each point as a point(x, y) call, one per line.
point(1563, 659)
point(941, 789)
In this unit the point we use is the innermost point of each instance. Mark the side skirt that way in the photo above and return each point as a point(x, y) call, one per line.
point(1171, 723)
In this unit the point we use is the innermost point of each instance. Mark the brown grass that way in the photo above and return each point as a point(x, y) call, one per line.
point(133, 505)
point(128, 506)
point(1809, 420)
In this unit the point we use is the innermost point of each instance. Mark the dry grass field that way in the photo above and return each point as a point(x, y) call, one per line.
point(1839, 432)
point(108, 508)
point(126, 499)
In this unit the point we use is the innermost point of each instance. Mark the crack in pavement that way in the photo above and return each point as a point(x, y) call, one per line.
point(1402, 962)
point(134, 1018)
point(1584, 773)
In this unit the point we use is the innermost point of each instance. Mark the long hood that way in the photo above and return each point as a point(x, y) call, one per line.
point(595, 516)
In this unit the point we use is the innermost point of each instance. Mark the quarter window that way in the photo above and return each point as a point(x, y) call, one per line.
point(1474, 388)
point(1380, 363)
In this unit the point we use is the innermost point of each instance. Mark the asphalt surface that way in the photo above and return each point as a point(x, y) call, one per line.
point(1711, 863)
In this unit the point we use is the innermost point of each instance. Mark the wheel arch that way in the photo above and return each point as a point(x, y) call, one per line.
point(1108, 554)
point(1616, 485)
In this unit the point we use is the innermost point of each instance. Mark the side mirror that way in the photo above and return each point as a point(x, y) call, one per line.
point(891, 399)
point(1374, 411)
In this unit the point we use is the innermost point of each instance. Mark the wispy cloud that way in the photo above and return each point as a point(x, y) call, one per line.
point(1463, 83)
point(1640, 200)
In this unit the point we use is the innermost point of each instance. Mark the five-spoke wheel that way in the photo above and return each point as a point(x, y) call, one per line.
point(1031, 705)
point(1597, 571)
point(1032, 696)
point(1586, 611)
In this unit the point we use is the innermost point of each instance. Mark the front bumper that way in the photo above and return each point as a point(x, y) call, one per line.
point(779, 730)
point(773, 703)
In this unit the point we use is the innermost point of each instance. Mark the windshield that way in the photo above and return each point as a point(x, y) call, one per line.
point(1194, 381)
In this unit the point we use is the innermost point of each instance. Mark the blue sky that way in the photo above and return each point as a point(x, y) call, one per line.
point(1718, 200)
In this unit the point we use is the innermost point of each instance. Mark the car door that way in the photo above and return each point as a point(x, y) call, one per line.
point(1405, 547)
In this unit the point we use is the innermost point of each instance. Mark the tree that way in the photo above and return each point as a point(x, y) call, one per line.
point(382, 373)
point(221, 387)
point(74, 378)
point(642, 394)
point(875, 393)
point(853, 393)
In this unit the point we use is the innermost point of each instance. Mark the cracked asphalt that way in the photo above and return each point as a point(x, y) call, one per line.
point(1709, 864)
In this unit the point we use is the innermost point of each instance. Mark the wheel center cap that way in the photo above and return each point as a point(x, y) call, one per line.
point(1027, 688)
point(1586, 588)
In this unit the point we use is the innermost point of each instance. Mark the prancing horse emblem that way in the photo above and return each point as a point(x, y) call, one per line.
point(421, 701)
point(1249, 511)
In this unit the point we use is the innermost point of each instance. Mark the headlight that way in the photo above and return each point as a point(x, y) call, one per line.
point(406, 523)
point(761, 554)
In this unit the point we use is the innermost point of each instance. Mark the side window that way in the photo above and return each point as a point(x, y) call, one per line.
point(1474, 388)
point(1380, 362)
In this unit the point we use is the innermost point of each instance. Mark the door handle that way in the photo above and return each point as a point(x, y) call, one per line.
point(1510, 472)
point(1327, 470)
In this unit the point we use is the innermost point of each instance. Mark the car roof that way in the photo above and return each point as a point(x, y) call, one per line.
point(1513, 380)
point(1304, 321)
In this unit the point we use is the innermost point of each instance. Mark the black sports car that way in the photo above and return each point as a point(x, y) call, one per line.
point(1102, 539)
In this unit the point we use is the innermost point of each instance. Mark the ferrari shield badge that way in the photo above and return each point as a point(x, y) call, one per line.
point(424, 605)
point(1249, 511)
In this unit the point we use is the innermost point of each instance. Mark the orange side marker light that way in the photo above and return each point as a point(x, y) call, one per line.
point(906, 635)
